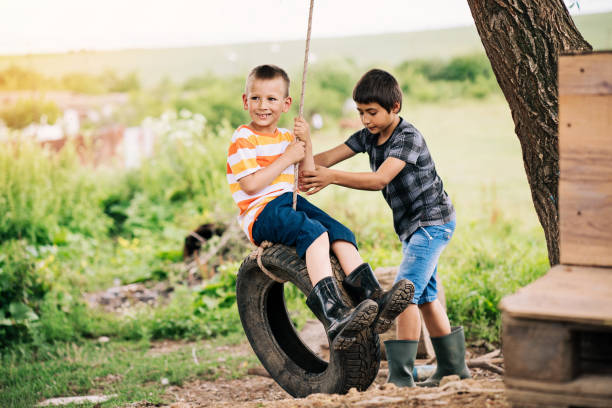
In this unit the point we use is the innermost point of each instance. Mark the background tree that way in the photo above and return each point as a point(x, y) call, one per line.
point(523, 39)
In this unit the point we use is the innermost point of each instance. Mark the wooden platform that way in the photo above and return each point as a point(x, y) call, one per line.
point(576, 294)
point(557, 331)
point(557, 340)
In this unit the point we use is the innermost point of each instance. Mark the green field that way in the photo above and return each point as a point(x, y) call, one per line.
point(182, 63)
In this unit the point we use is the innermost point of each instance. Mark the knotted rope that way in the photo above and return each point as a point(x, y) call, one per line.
point(257, 254)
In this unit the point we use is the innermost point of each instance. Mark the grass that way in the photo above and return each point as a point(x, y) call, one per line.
point(132, 370)
point(498, 247)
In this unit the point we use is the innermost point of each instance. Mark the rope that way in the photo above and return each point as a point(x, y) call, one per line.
point(266, 244)
point(301, 110)
point(257, 254)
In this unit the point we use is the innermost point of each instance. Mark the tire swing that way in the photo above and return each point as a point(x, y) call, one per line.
point(290, 362)
point(266, 323)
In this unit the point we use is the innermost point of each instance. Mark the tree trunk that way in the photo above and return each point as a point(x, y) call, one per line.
point(523, 39)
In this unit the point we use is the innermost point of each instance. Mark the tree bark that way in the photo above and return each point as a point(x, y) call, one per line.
point(523, 39)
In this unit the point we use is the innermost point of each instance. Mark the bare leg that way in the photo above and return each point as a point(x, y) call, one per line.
point(317, 259)
point(435, 318)
point(409, 324)
point(347, 255)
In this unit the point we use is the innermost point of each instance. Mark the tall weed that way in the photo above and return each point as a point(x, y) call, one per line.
point(43, 194)
point(483, 263)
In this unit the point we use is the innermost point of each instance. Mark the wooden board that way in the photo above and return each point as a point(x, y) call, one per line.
point(577, 294)
point(585, 391)
point(539, 350)
point(588, 74)
point(585, 156)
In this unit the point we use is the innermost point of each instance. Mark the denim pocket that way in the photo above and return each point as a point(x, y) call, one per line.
point(439, 232)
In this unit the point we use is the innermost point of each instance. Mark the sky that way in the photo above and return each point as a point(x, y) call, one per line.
point(43, 26)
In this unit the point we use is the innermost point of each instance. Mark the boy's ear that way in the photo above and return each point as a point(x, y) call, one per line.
point(245, 105)
point(287, 104)
point(396, 107)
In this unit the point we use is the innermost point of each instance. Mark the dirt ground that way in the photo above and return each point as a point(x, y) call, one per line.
point(485, 389)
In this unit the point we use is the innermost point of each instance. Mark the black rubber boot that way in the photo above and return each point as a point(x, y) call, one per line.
point(342, 323)
point(401, 355)
point(362, 284)
point(450, 356)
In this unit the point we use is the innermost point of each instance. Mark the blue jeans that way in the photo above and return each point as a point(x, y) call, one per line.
point(420, 263)
point(280, 224)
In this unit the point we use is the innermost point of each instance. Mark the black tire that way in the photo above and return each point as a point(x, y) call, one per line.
point(292, 364)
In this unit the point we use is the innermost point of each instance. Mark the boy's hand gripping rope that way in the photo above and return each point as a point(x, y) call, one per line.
point(301, 110)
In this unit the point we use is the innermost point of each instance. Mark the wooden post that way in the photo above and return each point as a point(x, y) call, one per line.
point(557, 331)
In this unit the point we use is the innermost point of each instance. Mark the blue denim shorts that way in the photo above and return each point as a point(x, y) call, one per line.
point(280, 224)
point(420, 263)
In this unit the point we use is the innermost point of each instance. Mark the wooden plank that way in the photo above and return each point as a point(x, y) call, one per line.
point(540, 399)
point(537, 350)
point(585, 185)
point(586, 74)
point(588, 385)
point(577, 294)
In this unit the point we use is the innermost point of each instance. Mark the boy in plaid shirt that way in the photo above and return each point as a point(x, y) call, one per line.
point(423, 218)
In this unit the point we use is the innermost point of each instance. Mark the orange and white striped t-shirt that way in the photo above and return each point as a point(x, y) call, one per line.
point(249, 152)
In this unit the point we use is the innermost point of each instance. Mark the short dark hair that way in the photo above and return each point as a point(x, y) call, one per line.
point(378, 86)
point(268, 71)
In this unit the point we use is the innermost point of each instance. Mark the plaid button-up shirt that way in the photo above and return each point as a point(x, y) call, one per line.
point(416, 195)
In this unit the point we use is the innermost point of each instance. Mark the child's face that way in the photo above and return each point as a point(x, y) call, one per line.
point(265, 100)
point(376, 118)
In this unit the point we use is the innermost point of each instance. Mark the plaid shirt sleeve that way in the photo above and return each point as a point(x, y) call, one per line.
point(356, 142)
point(407, 146)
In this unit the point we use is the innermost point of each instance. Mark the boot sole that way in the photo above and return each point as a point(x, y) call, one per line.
point(364, 314)
point(402, 293)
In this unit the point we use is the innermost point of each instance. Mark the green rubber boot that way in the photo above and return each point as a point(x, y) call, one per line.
point(450, 356)
point(401, 355)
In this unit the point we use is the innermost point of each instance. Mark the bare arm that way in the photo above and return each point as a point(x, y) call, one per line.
point(314, 181)
point(332, 156)
point(262, 178)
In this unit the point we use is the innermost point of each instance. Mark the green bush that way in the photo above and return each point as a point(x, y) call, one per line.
point(112, 82)
point(27, 111)
point(22, 290)
point(16, 78)
point(468, 76)
point(465, 68)
point(43, 194)
point(82, 83)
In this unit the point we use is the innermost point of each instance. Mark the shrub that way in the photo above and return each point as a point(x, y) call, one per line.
point(43, 193)
point(27, 111)
point(16, 78)
point(21, 292)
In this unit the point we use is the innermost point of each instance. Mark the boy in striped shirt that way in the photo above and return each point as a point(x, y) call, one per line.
point(260, 172)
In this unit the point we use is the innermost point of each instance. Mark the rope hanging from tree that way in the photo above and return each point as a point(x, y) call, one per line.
point(266, 244)
point(301, 110)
